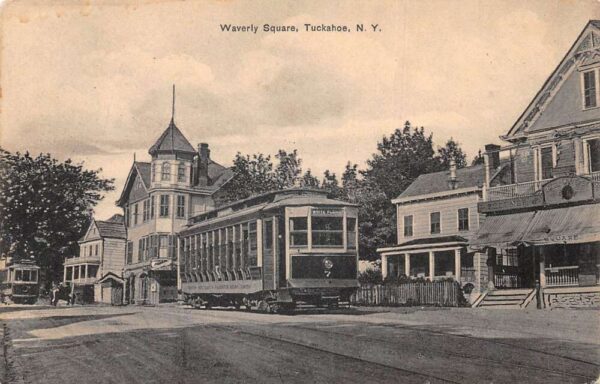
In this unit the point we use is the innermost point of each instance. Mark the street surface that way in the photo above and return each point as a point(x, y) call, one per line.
point(172, 344)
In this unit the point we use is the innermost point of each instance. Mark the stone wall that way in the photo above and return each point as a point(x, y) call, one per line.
point(573, 300)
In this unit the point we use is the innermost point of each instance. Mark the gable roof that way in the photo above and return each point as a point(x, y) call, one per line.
point(138, 168)
point(111, 229)
point(171, 141)
point(588, 40)
point(467, 177)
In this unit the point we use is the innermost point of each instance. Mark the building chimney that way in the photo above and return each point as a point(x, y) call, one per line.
point(203, 159)
point(452, 180)
point(493, 152)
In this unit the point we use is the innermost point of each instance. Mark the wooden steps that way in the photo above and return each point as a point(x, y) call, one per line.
point(505, 298)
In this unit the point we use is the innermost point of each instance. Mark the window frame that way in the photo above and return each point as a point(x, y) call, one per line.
point(431, 223)
point(412, 225)
point(181, 176)
point(595, 72)
point(164, 210)
point(180, 208)
point(587, 158)
point(165, 171)
point(538, 161)
point(466, 218)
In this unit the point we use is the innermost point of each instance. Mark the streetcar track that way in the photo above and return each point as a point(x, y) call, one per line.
point(499, 362)
point(316, 348)
point(398, 326)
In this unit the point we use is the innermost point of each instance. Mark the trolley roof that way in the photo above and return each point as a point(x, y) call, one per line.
point(264, 202)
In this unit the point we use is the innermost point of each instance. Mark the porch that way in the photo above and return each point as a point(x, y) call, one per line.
point(432, 259)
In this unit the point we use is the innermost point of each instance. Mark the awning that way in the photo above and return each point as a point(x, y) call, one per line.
point(502, 230)
point(579, 224)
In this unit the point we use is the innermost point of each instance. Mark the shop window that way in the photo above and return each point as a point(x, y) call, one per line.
point(589, 89)
point(435, 222)
point(408, 226)
point(327, 231)
point(463, 219)
point(298, 231)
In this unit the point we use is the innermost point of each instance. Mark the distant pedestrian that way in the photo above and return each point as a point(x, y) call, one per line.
point(54, 296)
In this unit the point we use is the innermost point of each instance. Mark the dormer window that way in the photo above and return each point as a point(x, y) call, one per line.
point(590, 88)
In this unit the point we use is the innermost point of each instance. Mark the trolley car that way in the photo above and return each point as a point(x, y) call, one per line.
point(276, 251)
point(19, 282)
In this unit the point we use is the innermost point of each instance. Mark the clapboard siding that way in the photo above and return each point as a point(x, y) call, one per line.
point(524, 165)
point(114, 256)
point(448, 208)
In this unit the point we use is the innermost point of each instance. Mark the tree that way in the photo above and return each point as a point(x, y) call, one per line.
point(403, 156)
point(252, 175)
point(452, 151)
point(46, 207)
point(331, 185)
point(287, 172)
point(256, 174)
point(479, 159)
point(308, 180)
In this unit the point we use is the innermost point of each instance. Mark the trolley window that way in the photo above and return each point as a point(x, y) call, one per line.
point(299, 231)
point(351, 231)
point(327, 231)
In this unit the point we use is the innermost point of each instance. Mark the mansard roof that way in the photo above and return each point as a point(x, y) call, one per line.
point(584, 51)
point(171, 141)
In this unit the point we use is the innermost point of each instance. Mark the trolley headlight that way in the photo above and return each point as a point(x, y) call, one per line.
point(327, 263)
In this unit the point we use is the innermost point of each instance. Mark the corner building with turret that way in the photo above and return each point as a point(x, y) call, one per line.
point(158, 197)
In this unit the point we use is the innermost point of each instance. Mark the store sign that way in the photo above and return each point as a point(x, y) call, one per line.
point(327, 212)
point(522, 202)
point(567, 190)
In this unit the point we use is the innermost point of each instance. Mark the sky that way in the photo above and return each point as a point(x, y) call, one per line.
point(92, 81)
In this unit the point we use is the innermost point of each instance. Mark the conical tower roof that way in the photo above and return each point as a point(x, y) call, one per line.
point(171, 141)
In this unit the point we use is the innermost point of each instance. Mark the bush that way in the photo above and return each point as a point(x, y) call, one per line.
point(370, 276)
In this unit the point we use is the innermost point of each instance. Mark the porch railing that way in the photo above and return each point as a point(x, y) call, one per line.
point(562, 276)
point(513, 190)
point(507, 280)
point(510, 191)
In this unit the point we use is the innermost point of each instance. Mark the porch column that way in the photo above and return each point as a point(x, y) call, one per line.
point(457, 264)
point(431, 265)
point(407, 264)
point(542, 270)
point(384, 266)
point(65, 274)
point(85, 268)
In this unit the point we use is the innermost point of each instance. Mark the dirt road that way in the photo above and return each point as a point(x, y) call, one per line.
point(170, 344)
